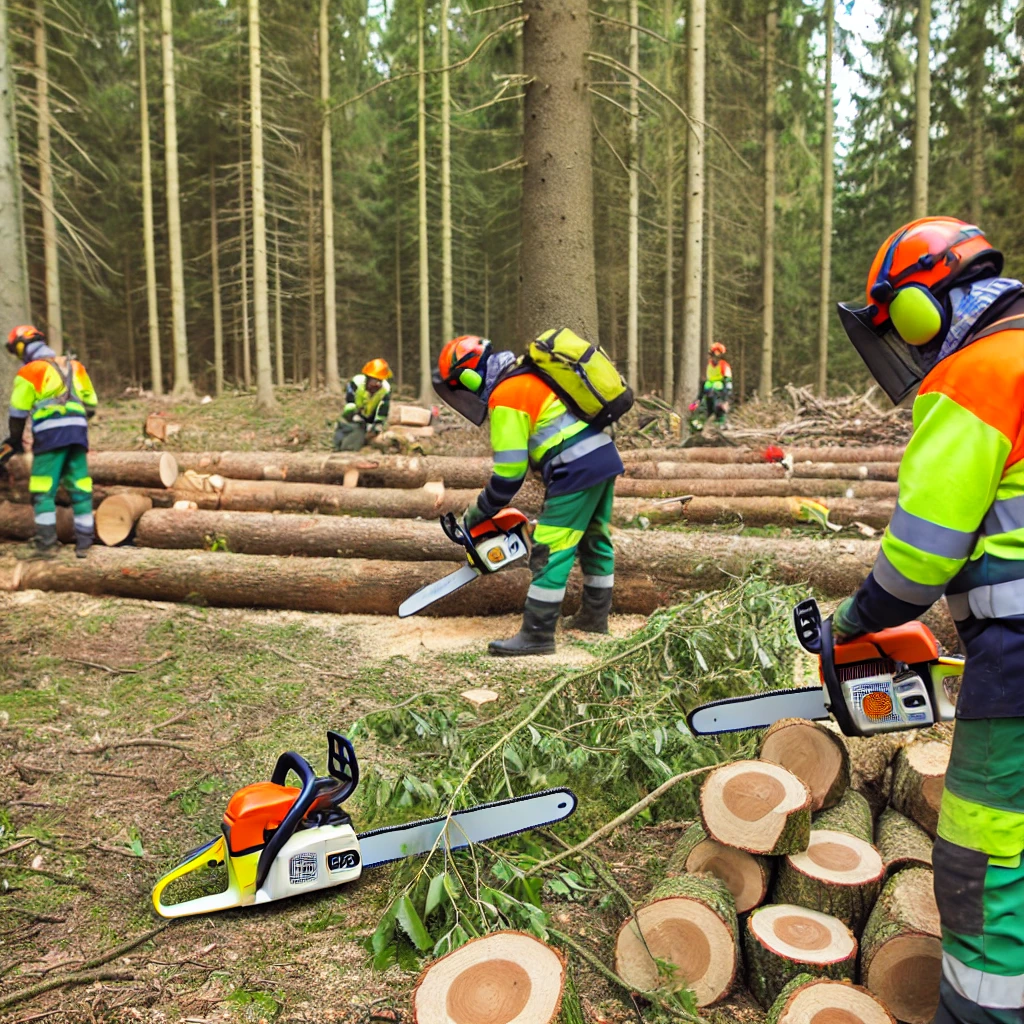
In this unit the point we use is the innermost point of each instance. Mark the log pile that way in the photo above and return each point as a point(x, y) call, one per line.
point(827, 915)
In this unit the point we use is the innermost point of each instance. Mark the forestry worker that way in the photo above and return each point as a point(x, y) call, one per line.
point(939, 319)
point(367, 403)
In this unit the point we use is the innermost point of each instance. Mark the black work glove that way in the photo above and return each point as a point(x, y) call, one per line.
point(16, 426)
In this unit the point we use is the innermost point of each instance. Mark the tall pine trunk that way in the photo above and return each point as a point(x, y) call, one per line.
point(243, 242)
point(399, 343)
point(331, 377)
point(447, 311)
point(54, 320)
point(633, 293)
point(690, 362)
point(218, 316)
point(827, 187)
point(709, 273)
point(426, 387)
point(668, 320)
point(182, 381)
point(156, 372)
point(129, 318)
point(265, 400)
point(278, 329)
point(771, 27)
point(922, 114)
point(558, 287)
point(314, 357)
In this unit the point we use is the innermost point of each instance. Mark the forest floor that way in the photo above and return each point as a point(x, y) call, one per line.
point(125, 726)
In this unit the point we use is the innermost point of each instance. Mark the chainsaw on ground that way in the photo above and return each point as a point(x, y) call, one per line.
point(880, 682)
point(495, 544)
point(279, 841)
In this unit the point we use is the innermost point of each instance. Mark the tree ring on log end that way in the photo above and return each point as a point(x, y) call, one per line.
point(839, 858)
point(491, 992)
point(813, 754)
point(905, 974)
point(824, 1001)
point(802, 935)
point(741, 873)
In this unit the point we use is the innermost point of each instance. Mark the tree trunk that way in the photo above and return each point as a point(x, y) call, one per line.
point(918, 778)
point(243, 243)
point(218, 317)
point(827, 189)
point(820, 1000)
point(399, 343)
point(878, 453)
point(495, 977)
point(745, 875)
point(922, 109)
point(633, 230)
point(688, 922)
point(851, 815)
point(182, 381)
point(331, 378)
point(693, 269)
point(278, 327)
point(557, 281)
point(17, 522)
point(814, 754)
point(54, 323)
point(426, 387)
point(314, 358)
point(130, 469)
point(842, 471)
point(771, 27)
point(979, 78)
point(668, 386)
point(447, 316)
point(116, 517)
point(630, 487)
point(901, 948)
point(709, 271)
point(902, 842)
point(129, 316)
point(156, 372)
point(782, 942)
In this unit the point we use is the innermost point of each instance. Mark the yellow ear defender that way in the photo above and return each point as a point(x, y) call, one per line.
point(471, 380)
point(20, 349)
point(917, 315)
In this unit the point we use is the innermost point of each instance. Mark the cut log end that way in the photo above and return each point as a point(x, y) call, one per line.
point(758, 807)
point(168, 469)
point(116, 516)
point(498, 978)
point(744, 875)
point(918, 780)
point(823, 1001)
point(814, 754)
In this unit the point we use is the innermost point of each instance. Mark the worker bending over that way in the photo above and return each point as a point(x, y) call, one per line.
point(367, 403)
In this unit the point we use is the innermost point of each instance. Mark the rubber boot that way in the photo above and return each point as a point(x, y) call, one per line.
point(535, 636)
point(83, 541)
point(593, 614)
point(44, 544)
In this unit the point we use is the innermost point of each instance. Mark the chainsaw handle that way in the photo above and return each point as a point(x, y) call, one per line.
point(288, 761)
point(452, 530)
point(213, 852)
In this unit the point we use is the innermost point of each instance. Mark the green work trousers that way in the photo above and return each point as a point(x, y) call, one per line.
point(979, 877)
point(349, 435)
point(67, 466)
point(567, 523)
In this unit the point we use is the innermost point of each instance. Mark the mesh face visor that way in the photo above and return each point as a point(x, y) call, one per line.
point(895, 365)
point(463, 401)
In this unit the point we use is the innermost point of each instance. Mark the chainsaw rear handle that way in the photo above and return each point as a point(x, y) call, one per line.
point(208, 855)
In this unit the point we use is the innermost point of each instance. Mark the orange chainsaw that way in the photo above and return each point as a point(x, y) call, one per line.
point(880, 682)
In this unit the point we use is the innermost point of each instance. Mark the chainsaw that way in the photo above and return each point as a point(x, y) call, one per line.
point(279, 841)
point(880, 682)
point(491, 546)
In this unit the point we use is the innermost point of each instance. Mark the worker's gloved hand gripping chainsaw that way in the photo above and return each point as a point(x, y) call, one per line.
point(279, 841)
point(880, 682)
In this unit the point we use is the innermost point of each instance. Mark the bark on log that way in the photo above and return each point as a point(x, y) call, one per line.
point(814, 754)
point(831, 471)
point(871, 762)
point(745, 875)
point(902, 843)
point(689, 922)
point(807, 1000)
point(847, 470)
point(918, 777)
point(499, 977)
point(752, 511)
point(877, 453)
point(851, 815)
point(838, 874)
point(758, 807)
point(116, 517)
point(629, 487)
point(901, 948)
point(17, 522)
point(132, 469)
point(782, 942)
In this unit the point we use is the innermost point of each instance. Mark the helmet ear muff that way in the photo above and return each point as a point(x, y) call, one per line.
point(917, 315)
point(471, 380)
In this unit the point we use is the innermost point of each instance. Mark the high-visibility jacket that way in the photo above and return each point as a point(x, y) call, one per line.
point(718, 378)
point(359, 402)
point(55, 393)
point(958, 528)
point(531, 426)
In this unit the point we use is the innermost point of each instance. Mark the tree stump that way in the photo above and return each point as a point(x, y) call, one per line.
point(494, 979)
point(814, 753)
point(782, 941)
point(902, 843)
point(689, 922)
point(901, 948)
point(807, 1000)
point(745, 875)
point(116, 517)
point(758, 807)
point(838, 874)
point(918, 778)
point(851, 815)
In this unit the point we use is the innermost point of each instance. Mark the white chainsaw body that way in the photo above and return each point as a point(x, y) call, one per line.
point(315, 858)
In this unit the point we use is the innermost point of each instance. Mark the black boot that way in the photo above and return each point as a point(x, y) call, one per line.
point(44, 544)
point(83, 541)
point(593, 614)
point(535, 636)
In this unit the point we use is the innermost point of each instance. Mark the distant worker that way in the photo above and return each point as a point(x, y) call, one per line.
point(56, 393)
point(532, 426)
point(367, 403)
point(716, 390)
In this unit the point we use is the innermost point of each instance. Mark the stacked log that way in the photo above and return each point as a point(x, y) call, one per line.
point(117, 515)
point(917, 782)
point(808, 1000)
point(746, 875)
point(134, 469)
point(835, 453)
point(814, 753)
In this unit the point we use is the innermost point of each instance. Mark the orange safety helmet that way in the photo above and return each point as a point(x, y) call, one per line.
point(21, 336)
point(378, 369)
point(717, 349)
point(459, 376)
point(907, 298)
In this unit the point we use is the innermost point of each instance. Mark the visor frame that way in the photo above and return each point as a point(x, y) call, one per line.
point(463, 401)
point(895, 365)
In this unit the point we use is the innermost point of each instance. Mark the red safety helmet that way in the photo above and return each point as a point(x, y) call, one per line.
point(21, 336)
point(717, 349)
point(459, 377)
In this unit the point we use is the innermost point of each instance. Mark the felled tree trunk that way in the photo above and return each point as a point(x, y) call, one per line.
point(871, 763)
point(838, 874)
point(130, 469)
point(752, 511)
point(847, 470)
point(758, 807)
point(499, 977)
point(851, 815)
point(807, 1000)
point(116, 517)
point(814, 753)
point(691, 923)
point(17, 522)
point(837, 453)
point(704, 471)
point(902, 842)
point(918, 777)
point(901, 948)
point(782, 942)
point(629, 487)
point(746, 876)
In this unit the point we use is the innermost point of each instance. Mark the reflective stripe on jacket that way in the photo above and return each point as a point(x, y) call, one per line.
point(55, 393)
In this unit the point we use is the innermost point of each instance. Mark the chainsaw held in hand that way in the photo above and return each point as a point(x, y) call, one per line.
point(495, 544)
point(279, 841)
point(880, 682)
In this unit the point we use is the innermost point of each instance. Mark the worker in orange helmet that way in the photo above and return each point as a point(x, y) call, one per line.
point(941, 323)
point(367, 403)
point(716, 389)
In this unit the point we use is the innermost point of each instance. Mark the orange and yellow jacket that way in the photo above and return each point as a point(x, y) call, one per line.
point(57, 395)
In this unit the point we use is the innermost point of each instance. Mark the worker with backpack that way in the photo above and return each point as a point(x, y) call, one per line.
point(549, 410)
